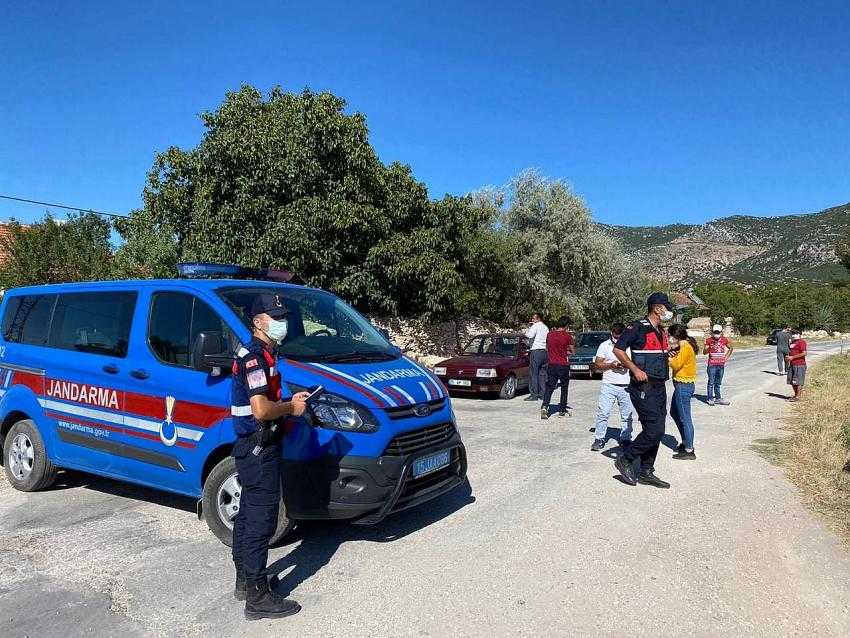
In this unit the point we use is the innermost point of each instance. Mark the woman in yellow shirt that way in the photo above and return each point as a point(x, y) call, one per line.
point(683, 363)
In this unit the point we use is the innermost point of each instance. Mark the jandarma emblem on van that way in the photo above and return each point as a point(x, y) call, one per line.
point(390, 375)
point(82, 393)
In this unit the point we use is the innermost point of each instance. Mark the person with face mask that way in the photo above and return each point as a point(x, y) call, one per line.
point(718, 349)
point(256, 411)
point(648, 367)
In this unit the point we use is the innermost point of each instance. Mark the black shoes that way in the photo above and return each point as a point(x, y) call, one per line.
point(264, 603)
point(530, 397)
point(598, 445)
point(648, 478)
point(240, 591)
point(564, 413)
point(683, 455)
point(626, 469)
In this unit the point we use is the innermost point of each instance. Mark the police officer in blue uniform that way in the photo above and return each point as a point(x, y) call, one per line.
point(258, 411)
point(647, 341)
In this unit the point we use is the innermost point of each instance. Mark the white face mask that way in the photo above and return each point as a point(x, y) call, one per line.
point(795, 337)
point(667, 315)
point(276, 330)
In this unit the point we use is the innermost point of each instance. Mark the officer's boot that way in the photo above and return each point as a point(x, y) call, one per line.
point(264, 603)
point(240, 591)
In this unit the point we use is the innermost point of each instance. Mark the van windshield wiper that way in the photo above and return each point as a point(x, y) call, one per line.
point(352, 357)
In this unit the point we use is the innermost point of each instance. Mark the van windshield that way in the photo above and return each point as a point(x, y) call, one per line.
point(322, 327)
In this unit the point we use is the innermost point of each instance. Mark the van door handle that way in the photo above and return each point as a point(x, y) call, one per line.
point(140, 374)
point(111, 368)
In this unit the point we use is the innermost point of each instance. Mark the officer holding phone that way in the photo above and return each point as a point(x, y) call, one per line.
point(257, 410)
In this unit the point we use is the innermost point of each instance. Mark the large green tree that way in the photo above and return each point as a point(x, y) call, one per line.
point(564, 263)
point(54, 251)
point(291, 181)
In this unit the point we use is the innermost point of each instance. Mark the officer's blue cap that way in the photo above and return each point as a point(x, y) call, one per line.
point(270, 303)
point(659, 298)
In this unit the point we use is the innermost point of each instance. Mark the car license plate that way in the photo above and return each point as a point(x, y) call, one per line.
point(432, 463)
point(463, 382)
point(580, 367)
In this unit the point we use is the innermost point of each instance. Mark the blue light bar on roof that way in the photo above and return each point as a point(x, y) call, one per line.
point(201, 270)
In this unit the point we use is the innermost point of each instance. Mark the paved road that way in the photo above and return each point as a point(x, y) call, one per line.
point(545, 541)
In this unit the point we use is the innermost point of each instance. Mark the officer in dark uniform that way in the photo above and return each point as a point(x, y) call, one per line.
point(257, 411)
point(647, 340)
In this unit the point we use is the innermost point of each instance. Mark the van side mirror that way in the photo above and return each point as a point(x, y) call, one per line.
point(209, 354)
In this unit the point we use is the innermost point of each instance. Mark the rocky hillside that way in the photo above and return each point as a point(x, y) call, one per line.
point(748, 250)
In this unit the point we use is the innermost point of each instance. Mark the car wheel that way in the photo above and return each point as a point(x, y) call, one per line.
point(27, 466)
point(509, 388)
point(222, 492)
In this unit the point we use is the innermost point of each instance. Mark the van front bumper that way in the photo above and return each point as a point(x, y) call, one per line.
point(367, 489)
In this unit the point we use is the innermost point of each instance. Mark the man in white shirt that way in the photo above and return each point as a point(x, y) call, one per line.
point(615, 380)
point(537, 357)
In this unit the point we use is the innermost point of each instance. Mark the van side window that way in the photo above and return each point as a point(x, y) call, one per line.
point(27, 319)
point(176, 320)
point(95, 322)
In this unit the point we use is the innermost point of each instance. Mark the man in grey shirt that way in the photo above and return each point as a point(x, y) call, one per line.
point(537, 357)
point(783, 348)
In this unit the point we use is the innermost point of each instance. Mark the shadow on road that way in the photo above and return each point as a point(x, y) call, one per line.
point(320, 540)
point(776, 395)
point(69, 479)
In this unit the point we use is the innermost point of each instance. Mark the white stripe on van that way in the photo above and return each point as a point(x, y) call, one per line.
point(404, 394)
point(371, 388)
point(428, 376)
point(117, 419)
point(425, 390)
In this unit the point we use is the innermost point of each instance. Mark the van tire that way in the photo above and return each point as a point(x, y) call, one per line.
point(220, 474)
point(41, 473)
point(509, 388)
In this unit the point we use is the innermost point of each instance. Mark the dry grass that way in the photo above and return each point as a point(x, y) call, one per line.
point(818, 449)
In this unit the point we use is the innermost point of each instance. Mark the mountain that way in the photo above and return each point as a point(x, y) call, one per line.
point(740, 248)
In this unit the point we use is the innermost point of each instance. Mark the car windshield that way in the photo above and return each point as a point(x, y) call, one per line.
point(322, 327)
point(591, 339)
point(492, 344)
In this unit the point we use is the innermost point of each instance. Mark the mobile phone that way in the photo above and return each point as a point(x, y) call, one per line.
point(314, 394)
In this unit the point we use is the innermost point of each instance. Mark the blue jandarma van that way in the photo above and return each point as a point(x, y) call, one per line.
point(130, 380)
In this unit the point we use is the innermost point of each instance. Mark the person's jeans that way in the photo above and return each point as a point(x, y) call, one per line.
point(537, 370)
point(680, 411)
point(780, 361)
point(609, 394)
point(554, 374)
point(715, 378)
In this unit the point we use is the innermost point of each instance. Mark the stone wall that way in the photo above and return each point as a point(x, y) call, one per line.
point(429, 343)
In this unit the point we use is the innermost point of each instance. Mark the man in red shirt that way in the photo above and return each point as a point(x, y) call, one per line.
point(559, 346)
point(796, 363)
point(718, 349)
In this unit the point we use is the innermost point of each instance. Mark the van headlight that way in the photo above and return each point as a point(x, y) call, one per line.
point(440, 372)
point(337, 413)
point(485, 372)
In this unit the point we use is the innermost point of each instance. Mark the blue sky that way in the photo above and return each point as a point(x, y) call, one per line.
point(655, 111)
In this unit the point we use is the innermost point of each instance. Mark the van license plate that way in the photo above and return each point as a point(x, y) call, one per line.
point(432, 463)
point(580, 367)
point(463, 382)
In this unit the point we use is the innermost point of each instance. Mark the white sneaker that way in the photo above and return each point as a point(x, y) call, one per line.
point(711, 402)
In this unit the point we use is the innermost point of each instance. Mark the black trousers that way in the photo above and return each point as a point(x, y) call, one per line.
point(259, 504)
point(555, 374)
point(650, 401)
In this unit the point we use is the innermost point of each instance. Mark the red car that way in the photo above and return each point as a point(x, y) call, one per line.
point(489, 363)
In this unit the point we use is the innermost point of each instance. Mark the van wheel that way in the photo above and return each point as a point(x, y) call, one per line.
point(27, 466)
point(222, 492)
point(509, 387)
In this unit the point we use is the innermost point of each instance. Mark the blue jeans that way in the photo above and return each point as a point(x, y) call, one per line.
point(715, 378)
point(680, 410)
point(608, 395)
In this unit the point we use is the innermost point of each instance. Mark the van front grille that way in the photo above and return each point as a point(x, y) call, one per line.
point(417, 440)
